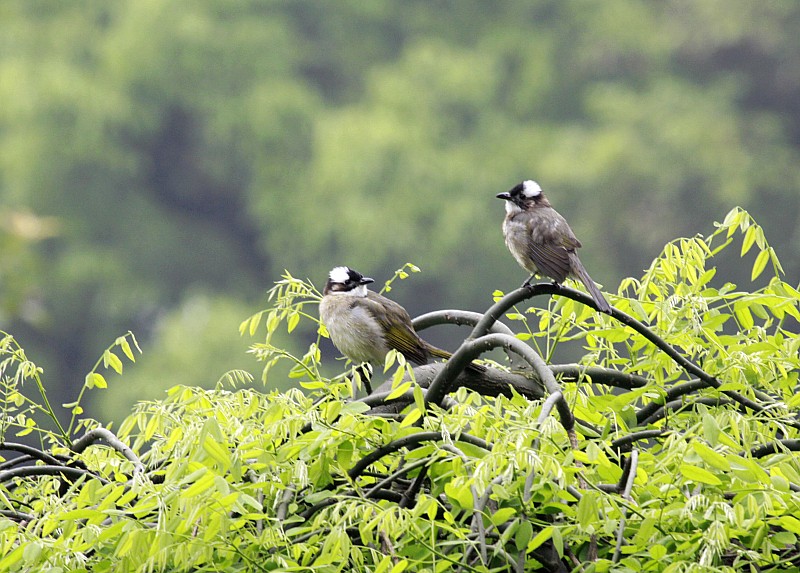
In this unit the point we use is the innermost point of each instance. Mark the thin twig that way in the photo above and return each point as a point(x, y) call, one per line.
point(626, 495)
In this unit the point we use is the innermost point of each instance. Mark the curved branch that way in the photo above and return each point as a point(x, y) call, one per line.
point(776, 447)
point(413, 490)
point(490, 382)
point(467, 318)
point(406, 441)
point(547, 407)
point(471, 349)
point(17, 515)
point(625, 442)
point(676, 391)
point(605, 376)
point(30, 452)
point(63, 471)
point(514, 297)
point(680, 404)
point(102, 434)
point(396, 475)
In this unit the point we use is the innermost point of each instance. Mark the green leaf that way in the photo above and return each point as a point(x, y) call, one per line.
point(523, 536)
point(292, 321)
point(761, 263)
point(123, 343)
point(711, 429)
point(400, 566)
point(657, 551)
point(461, 493)
point(111, 359)
point(587, 512)
point(544, 535)
point(355, 408)
point(699, 475)
point(502, 515)
point(743, 315)
point(711, 457)
point(332, 411)
point(399, 391)
point(218, 453)
point(411, 417)
point(749, 239)
point(203, 484)
point(790, 523)
point(95, 380)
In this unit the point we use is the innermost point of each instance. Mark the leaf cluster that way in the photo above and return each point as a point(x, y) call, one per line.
point(672, 446)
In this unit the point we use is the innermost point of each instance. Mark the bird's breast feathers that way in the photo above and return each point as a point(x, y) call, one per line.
point(353, 329)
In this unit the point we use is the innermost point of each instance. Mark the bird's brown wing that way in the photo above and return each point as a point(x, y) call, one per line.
point(396, 324)
point(551, 259)
point(551, 247)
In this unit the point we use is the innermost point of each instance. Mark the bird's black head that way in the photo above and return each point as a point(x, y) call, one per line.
point(525, 195)
point(345, 279)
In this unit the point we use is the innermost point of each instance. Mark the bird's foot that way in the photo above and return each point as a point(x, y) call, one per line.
point(364, 372)
point(527, 283)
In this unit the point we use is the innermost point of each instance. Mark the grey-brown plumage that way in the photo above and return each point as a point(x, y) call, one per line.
point(364, 325)
point(541, 240)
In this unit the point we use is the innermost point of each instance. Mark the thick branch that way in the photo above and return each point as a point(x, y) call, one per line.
point(676, 391)
point(64, 471)
point(776, 447)
point(605, 376)
point(471, 349)
point(468, 318)
point(102, 434)
point(491, 382)
point(31, 453)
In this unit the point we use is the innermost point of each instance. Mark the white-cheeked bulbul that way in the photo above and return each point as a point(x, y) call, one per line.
point(542, 241)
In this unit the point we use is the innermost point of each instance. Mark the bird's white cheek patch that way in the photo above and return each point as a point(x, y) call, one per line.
point(512, 208)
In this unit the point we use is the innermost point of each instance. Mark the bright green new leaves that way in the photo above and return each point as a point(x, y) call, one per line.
point(236, 479)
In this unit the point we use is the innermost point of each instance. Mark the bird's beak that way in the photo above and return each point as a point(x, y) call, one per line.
point(505, 195)
point(366, 281)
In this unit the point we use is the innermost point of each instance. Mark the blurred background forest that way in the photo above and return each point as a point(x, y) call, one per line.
point(163, 161)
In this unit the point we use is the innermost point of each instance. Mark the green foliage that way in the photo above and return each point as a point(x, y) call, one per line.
point(692, 469)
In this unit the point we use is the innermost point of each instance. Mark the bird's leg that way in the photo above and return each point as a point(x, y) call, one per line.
point(527, 283)
point(365, 374)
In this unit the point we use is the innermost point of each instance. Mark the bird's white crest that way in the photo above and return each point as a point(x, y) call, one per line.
point(339, 275)
point(531, 188)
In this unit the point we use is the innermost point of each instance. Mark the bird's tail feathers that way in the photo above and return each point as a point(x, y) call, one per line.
point(597, 296)
point(439, 353)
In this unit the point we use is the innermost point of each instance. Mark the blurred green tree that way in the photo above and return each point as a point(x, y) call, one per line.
point(178, 147)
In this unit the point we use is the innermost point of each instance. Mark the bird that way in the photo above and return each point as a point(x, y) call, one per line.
point(365, 326)
point(541, 240)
